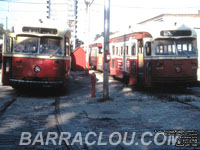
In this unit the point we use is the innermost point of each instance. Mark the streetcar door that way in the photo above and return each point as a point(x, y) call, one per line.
point(7, 59)
point(140, 48)
point(147, 68)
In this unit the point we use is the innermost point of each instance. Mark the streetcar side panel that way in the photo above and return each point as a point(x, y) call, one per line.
point(1, 53)
point(6, 59)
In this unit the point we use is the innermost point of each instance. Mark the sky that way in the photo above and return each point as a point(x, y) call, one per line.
point(127, 12)
point(122, 12)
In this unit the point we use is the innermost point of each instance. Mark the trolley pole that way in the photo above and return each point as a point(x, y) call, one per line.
point(106, 49)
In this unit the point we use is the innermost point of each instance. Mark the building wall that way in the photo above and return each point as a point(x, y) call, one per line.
point(62, 9)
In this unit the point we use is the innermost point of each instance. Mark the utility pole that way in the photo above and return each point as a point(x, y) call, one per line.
point(75, 23)
point(6, 23)
point(88, 4)
point(106, 49)
point(49, 9)
point(7, 15)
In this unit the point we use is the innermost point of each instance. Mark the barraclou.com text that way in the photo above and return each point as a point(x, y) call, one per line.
point(92, 138)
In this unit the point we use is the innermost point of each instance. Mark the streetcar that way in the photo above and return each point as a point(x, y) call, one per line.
point(96, 56)
point(36, 56)
point(171, 57)
point(155, 56)
point(125, 55)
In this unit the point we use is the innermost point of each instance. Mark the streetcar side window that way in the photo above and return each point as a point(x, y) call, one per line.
point(116, 50)
point(8, 44)
point(165, 50)
point(94, 52)
point(174, 49)
point(100, 50)
point(161, 49)
point(190, 47)
point(67, 47)
point(179, 47)
point(133, 50)
point(148, 48)
point(126, 50)
point(122, 50)
point(169, 48)
point(185, 47)
point(113, 50)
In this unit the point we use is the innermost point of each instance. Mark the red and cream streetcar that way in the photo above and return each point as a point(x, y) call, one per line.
point(153, 56)
point(36, 56)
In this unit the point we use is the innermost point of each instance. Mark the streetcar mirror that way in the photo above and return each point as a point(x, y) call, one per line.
point(107, 57)
point(8, 44)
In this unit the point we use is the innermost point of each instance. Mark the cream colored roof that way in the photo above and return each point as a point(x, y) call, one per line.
point(155, 28)
point(61, 29)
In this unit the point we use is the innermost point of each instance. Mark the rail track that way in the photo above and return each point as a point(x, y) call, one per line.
point(7, 105)
point(175, 98)
point(186, 103)
point(36, 122)
point(59, 127)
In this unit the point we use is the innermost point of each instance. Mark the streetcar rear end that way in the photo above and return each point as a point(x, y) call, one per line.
point(96, 56)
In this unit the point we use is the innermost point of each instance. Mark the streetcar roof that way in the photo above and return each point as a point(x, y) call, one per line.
point(157, 30)
point(98, 42)
point(48, 28)
point(37, 35)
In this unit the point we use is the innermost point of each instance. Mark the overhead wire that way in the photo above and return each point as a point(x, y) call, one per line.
point(8, 1)
point(92, 3)
point(98, 4)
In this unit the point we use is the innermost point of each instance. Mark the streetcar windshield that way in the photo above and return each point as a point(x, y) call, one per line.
point(50, 46)
point(26, 45)
point(175, 47)
point(39, 45)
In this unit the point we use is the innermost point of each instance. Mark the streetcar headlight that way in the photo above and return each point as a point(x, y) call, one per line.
point(178, 69)
point(160, 66)
point(37, 69)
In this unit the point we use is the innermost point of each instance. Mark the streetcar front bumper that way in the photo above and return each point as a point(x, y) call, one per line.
point(28, 83)
point(176, 81)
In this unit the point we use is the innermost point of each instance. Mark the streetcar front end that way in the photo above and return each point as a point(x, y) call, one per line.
point(36, 60)
point(175, 59)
